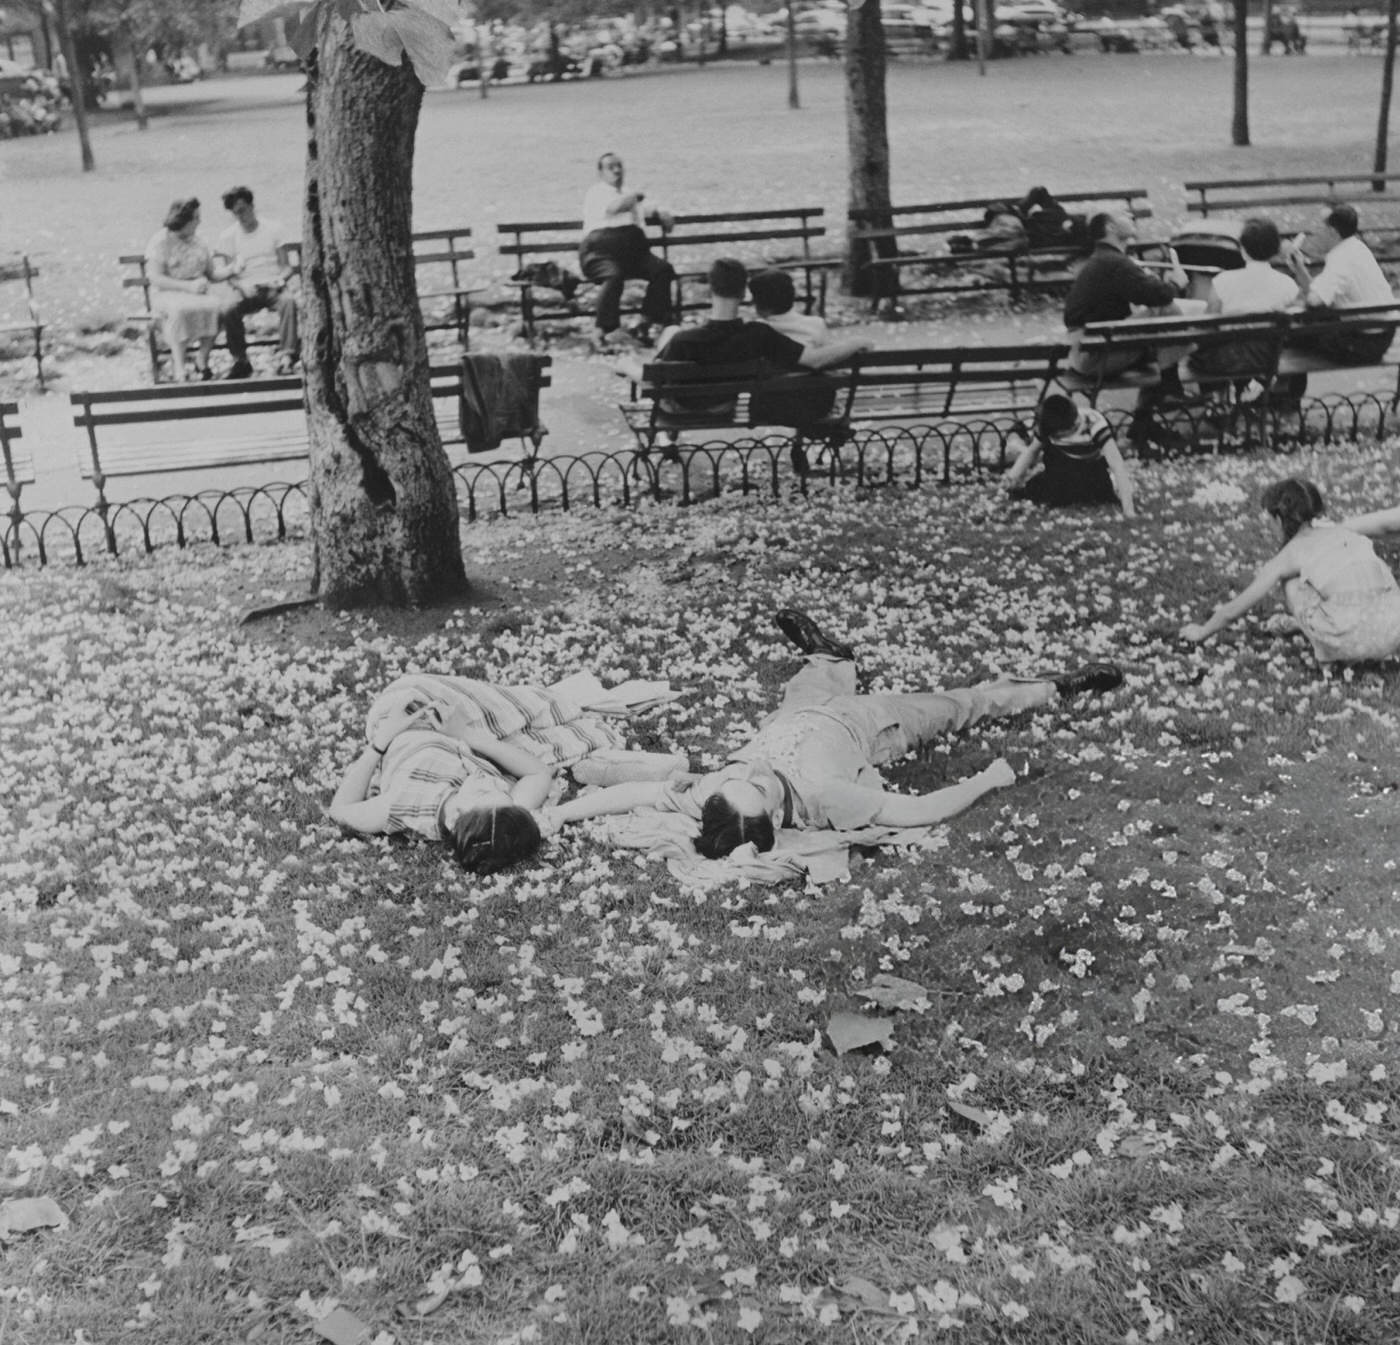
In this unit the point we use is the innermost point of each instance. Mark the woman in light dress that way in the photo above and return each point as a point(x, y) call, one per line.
point(1338, 592)
point(183, 276)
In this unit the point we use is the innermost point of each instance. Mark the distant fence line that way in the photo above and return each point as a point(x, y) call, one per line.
point(943, 455)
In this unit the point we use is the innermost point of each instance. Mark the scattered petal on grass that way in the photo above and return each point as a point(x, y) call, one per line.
point(342, 1327)
point(27, 1213)
point(894, 992)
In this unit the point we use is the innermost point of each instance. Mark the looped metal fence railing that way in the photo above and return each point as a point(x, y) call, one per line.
point(915, 456)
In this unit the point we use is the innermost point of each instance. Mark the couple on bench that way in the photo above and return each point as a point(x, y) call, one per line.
point(789, 351)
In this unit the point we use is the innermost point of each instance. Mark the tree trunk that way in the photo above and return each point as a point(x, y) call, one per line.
point(1239, 121)
point(1387, 88)
point(1265, 46)
point(383, 507)
point(76, 83)
point(867, 138)
point(794, 101)
point(957, 50)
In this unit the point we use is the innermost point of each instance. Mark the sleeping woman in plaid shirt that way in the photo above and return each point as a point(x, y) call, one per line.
point(466, 762)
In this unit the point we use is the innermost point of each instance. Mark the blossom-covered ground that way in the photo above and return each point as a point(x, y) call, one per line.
point(1140, 1084)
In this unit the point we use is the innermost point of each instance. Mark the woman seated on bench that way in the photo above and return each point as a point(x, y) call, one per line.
point(180, 269)
point(1080, 460)
point(1338, 592)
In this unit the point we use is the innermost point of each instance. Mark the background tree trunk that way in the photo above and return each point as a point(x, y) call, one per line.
point(867, 136)
point(383, 507)
point(128, 63)
point(1387, 89)
point(77, 82)
point(1264, 44)
point(1239, 121)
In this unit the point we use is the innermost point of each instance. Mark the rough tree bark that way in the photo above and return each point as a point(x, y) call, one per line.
point(1239, 121)
point(1387, 88)
point(867, 138)
point(383, 506)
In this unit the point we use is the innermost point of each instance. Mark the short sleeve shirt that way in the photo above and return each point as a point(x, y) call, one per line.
point(733, 342)
point(1352, 278)
point(420, 769)
point(257, 249)
point(1084, 441)
point(1255, 288)
point(596, 201)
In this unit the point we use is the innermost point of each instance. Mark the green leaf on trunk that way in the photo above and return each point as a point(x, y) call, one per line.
point(449, 11)
point(425, 40)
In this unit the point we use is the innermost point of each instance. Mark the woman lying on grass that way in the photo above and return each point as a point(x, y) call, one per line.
point(1338, 592)
point(814, 762)
point(466, 762)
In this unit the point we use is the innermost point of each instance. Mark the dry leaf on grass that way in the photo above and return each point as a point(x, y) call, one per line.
point(26, 1213)
point(975, 1115)
point(869, 1294)
point(342, 1327)
point(894, 992)
point(852, 1031)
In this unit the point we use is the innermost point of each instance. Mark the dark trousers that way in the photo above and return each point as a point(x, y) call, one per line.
point(609, 257)
point(1364, 346)
point(255, 301)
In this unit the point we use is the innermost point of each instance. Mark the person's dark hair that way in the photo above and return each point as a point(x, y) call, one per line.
point(1055, 415)
point(1293, 502)
point(772, 291)
point(181, 212)
point(487, 839)
point(1099, 226)
point(1344, 219)
point(723, 829)
point(1259, 238)
point(236, 194)
point(728, 278)
point(603, 158)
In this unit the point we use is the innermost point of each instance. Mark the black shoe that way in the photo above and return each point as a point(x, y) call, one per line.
point(801, 464)
point(240, 369)
point(640, 332)
point(1092, 679)
point(809, 637)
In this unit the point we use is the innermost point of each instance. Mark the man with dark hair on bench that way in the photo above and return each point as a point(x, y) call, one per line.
point(1107, 287)
point(799, 396)
point(1351, 278)
point(261, 274)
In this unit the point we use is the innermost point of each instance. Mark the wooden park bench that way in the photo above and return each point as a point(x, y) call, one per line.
point(784, 238)
point(19, 466)
point(203, 427)
point(938, 386)
point(439, 259)
point(23, 318)
point(1298, 198)
point(930, 226)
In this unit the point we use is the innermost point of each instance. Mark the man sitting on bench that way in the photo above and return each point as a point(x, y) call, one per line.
point(1107, 287)
point(800, 396)
point(1351, 278)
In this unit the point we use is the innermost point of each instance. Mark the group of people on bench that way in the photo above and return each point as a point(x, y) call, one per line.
point(1111, 284)
point(198, 291)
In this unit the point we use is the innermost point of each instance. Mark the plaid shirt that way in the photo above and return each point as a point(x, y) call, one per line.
point(420, 770)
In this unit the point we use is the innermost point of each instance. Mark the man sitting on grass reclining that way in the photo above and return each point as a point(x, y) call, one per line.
point(814, 762)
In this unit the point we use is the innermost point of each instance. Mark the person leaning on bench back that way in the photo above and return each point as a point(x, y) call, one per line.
point(1105, 290)
point(1351, 278)
point(800, 394)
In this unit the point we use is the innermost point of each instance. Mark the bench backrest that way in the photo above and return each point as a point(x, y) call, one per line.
point(1134, 333)
point(712, 235)
point(22, 271)
point(140, 431)
point(945, 217)
point(949, 380)
point(19, 467)
point(1263, 193)
point(448, 248)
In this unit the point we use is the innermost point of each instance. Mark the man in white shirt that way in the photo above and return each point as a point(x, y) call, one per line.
point(615, 249)
point(256, 251)
point(1351, 278)
point(1256, 287)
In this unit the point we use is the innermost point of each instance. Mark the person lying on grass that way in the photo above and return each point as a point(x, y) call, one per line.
point(1079, 459)
point(467, 762)
point(815, 761)
point(1338, 592)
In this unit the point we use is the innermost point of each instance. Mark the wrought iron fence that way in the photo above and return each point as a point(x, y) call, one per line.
point(915, 456)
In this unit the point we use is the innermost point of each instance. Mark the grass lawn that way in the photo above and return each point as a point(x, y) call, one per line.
point(1146, 1090)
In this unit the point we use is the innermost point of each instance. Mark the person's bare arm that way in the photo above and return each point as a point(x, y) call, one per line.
point(1122, 478)
point(922, 810)
point(1378, 523)
point(605, 802)
point(1282, 567)
point(534, 777)
point(832, 353)
point(1025, 461)
point(350, 808)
